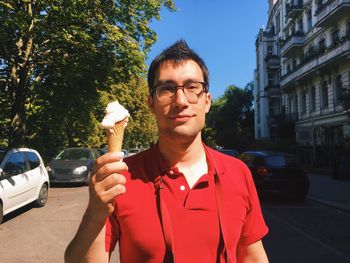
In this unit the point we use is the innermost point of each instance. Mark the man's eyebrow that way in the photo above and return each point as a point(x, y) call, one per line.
point(169, 81)
point(165, 81)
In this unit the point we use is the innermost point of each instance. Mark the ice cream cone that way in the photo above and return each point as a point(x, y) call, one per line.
point(115, 136)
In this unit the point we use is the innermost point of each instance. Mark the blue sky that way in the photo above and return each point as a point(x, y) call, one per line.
point(222, 32)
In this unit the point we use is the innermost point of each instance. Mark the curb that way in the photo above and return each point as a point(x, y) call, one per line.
point(329, 203)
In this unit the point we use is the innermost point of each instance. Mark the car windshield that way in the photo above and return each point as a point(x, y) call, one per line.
point(281, 161)
point(74, 154)
point(233, 153)
point(2, 155)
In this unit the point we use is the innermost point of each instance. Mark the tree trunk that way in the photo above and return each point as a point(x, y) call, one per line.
point(20, 70)
point(17, 126)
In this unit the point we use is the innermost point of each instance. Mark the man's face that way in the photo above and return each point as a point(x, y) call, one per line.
point(176, 117)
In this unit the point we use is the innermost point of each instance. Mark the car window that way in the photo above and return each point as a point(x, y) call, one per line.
point(15, 164)
point(233, 153)
point(74, 154)
point(33, 160)
point(97, 152)
point(246, 158)
point(2, 156)
point(281, 161)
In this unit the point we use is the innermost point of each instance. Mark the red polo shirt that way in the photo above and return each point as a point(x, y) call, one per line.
point(193, 212)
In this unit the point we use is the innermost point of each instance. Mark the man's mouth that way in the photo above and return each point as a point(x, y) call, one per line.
point(181, 117)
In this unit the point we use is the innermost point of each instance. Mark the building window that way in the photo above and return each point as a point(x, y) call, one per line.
point(324, 94)
point(309, 19)
point(348, 29)
point(288, 68)
point(300, 26)
point(335, 37)
point(322, 45)
point(313, 98)
point(296, 105)
point(303, 102)
point(278, 22)
point(290, 103)
point(269, 50)
point(270, 79)
point(338, 86)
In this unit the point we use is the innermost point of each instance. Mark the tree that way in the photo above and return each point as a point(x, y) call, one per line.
point(141, 130)
point(230, 120)
point(57, 55)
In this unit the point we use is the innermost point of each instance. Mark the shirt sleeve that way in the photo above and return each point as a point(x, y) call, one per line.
point(254, 227)
point(112, 232)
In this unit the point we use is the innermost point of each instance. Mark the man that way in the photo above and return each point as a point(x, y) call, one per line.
point(178, 201)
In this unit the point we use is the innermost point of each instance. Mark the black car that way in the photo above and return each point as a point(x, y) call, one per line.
point(230, 152)
point(277, 172)
point(73, 165)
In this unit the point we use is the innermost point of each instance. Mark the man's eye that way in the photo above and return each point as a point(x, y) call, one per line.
point(169, 88)
point(192, 87)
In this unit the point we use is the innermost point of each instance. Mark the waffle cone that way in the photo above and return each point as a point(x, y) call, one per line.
point(115, 136)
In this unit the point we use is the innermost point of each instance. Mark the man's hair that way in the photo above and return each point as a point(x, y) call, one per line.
point(177, 53)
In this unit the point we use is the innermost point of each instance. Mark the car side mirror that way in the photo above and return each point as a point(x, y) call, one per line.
point(3, 175)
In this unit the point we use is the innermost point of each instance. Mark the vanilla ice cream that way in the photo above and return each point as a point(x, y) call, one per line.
point(114, 113)
point(115, 121)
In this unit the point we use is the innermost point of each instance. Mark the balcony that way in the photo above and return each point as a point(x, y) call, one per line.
point(319, 62)
point(293, 44)
point(294, 10)
point(328, 13)
point(272, 62)
point(273, 90)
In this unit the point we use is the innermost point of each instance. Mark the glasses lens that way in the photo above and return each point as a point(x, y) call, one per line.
point(165, 90)
point(192, 90)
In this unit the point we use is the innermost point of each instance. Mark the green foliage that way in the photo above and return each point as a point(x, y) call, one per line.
point(57, 58)
point(230, 120)
point(141, 130)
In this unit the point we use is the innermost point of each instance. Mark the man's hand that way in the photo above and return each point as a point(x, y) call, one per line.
point(106, 183)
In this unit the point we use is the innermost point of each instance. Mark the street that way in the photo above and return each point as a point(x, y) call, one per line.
point(306, 232)
point(299, 232)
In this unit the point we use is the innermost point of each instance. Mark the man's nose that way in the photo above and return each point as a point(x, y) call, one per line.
point(180, 98)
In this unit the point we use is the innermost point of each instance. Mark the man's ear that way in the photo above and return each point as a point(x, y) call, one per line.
point(207, 102)
point(150, 103)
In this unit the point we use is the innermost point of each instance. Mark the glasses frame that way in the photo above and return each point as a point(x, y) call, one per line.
point(182, 87)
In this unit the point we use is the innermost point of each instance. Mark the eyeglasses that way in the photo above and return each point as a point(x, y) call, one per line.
point(192, 90)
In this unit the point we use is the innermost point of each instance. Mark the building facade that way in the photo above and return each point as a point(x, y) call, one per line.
point(310, 40)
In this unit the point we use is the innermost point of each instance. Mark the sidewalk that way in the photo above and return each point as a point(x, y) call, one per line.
point(324, 189)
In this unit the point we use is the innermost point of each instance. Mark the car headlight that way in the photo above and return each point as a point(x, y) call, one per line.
point(80, 170)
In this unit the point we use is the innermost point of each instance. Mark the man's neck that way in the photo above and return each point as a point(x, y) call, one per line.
point(188, 156)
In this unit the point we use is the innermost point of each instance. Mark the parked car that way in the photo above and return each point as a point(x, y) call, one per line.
point(73, 165)
point(23, 180)
point(230, 152)
point(277, 172)
point(105, 150)
point(134, 151)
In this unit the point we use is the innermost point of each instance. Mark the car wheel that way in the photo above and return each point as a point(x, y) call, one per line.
point(43, 194)
point(1, 213)
point(300, 196)
point(88, 179)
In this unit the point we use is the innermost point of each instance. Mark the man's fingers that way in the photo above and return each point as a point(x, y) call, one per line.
point(108, 169)
point(109, 157)
point(108, 189)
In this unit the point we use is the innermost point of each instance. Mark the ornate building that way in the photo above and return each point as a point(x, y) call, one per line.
point(303, 70)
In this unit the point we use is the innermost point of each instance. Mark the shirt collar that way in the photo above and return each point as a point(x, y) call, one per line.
point(164, 168)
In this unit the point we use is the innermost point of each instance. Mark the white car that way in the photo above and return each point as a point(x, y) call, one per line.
point(23, 179)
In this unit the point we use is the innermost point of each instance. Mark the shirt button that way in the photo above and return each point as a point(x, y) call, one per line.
point(182, 187)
